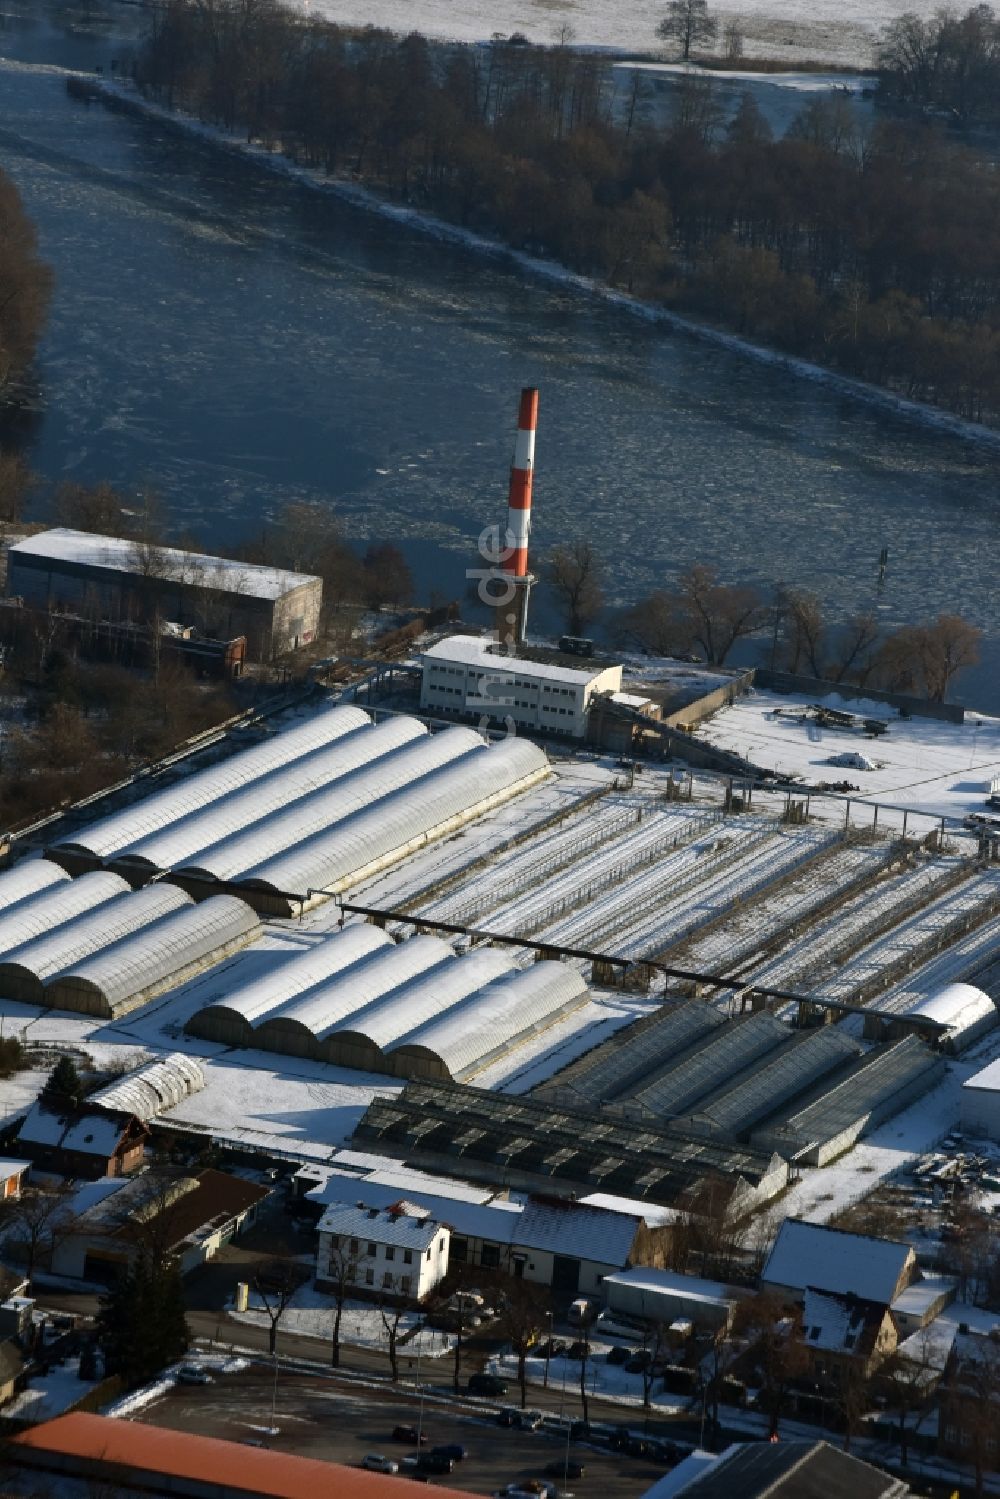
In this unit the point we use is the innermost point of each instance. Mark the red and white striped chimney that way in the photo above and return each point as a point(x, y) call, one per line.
point(519, 494)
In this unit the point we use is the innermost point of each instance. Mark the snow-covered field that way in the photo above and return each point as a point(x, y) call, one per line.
point(935, 768)
point(841, 33)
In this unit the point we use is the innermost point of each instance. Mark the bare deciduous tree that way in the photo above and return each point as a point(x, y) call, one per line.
point(947, 646)
point(521, 1317)
point(36, 1222)
point(574, 574)
point(342, 1273)
point(716, 614)
point(276, 1283)
point(688, 24)
point(778, 1354)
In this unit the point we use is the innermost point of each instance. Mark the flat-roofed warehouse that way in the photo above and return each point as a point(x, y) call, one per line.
point(116, 578)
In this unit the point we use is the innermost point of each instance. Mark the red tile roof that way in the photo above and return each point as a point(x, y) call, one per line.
point(132, 1448)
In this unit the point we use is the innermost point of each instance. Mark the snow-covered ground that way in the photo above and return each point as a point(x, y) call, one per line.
point(823, 1191)
point(310, 1314)
point(926, 766)
point(841, 33)
point(609, 1381)
point(50, 1395)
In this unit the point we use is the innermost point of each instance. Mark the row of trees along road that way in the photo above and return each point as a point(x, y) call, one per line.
point(869, 247)
point(701, 613)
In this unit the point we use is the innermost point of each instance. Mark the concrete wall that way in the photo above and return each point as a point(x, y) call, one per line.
point(704, 707)
point(916, 707)
point(980, 1112)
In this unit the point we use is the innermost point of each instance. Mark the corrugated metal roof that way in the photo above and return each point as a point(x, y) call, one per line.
point(559, 1226)
point(28, 878)
point(792, 1470)
point(312, 816)
point(55, 907)
point(122, 1448)
point(277, 790)
point(121, 917)
point(192, 792)
point(154, 1088)
point(328, 860)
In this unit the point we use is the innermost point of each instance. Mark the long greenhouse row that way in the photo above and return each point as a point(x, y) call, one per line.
point(410, 1009)
point(310, 811)
point(95, 945)
point(805, 1094)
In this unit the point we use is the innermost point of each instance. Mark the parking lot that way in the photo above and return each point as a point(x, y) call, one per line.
point(340, 1420)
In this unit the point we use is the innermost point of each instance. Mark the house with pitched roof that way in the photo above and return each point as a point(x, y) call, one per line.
point(810, 1255)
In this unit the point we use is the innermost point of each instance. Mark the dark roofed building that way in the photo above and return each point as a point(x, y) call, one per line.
point(784, 1470)
point(82, 1142)
point(191, 1217)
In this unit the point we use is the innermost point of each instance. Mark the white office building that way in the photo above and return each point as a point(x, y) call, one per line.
point(397, 1252)
point(469, 676)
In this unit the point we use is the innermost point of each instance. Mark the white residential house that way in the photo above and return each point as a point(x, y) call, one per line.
point(397, 1252)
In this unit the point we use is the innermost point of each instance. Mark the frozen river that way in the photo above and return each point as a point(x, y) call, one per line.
point(239, 341)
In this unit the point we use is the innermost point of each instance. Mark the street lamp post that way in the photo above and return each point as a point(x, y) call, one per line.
point(548, 1352)
point(420, 1417)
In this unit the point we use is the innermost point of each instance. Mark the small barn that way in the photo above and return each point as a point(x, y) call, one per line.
point(82, 1142)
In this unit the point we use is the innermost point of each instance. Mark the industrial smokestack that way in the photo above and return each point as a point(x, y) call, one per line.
point(512, 616)
point(519, 494)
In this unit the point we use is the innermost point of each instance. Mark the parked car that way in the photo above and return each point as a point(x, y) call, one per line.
point(452, 1450)
point(577, 1350)
point(619, 1439)
point(619, 1355)
point(580, 1431)
point(192, 1374)
point(639, 1447)
point(530, 1420)
point(376, 1463)
point(509, 1415)
point(409, 1434)
point(563, 1469)
point(639, 1361)
point(434, 1462)
point(558, 1349)
point(486, 1384)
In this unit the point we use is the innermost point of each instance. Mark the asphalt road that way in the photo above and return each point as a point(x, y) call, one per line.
point(339, 1420)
